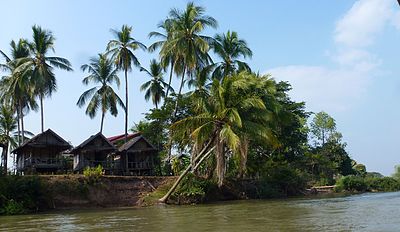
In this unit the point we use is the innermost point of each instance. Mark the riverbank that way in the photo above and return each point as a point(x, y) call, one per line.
point(30, 194)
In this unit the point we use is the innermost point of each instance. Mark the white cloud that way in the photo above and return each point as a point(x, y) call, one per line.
point(340, 88)
point(323, 88)
point(363, 22)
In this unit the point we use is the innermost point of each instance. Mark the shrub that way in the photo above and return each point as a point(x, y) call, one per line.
point(20, 194)
point(194, 189)
point(93, 174)
point(351, 183)
point(386, 184)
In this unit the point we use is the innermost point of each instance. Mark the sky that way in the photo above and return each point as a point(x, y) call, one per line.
point(340, 56)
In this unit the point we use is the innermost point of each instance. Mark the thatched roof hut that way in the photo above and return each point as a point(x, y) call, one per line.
point(41, 153)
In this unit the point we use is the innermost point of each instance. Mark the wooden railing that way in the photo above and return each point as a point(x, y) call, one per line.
point(139, 165)
point(42, 162)
point(105, 164)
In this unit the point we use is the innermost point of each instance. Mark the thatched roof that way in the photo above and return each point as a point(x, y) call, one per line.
point(97, 142)
point(46, 139)
point(130, 145)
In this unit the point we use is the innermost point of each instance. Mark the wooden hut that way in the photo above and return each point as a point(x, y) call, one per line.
point(137, 156)
point(96, 150)
point(41, 154)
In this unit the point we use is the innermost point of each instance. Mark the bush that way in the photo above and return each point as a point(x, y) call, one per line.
point(386, 184)
point(93, 174)
point(194, 189)
point(280, 179)
point(351, 183)
point(20, 194)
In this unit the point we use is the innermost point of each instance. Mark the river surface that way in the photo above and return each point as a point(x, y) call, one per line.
point(365, 212)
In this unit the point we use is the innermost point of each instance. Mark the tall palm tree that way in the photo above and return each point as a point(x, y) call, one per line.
point(42, 66)
point(16, 88)
point(187, 44)
point(8, 124)
point(165, 59)
point(229, 48)
point(102, 71)
point(155, 87)
point(222, 120)
point(122, 50)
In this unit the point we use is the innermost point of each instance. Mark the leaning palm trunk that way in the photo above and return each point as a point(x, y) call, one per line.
point(102, 121)
point(184, 173)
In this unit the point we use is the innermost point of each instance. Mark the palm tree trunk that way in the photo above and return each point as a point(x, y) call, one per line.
point(180, 91)
point(220, 156)
point(102, 121)
point(178, 181)
point(126, 105)
point(244, 149)
point(41, 112)
point(18, 124)
point(22, 127)
point(21, 115)
point(170, 80)
point(4, 156)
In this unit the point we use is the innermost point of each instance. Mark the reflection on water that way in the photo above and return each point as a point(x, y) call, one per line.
point(366, 212)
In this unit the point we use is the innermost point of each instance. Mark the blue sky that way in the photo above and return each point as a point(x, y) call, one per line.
point(340, 56)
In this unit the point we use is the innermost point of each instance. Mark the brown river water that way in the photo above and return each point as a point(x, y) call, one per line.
point(365, 212)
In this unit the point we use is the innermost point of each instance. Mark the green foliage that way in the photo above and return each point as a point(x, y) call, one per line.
point(194, 189)
point(93, 175)
point(360, 169)
point(279, 179)
point(323, 126)
point(385, 184)
point(362, 184)
point(351, 183)
point(178, 164)
point(396, 174)
point(21, 194)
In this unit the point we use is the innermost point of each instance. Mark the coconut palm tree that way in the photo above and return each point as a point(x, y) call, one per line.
point(122, 51)
point(155, 88)
point(101, 71)
point(187, 43)
point(16, 88)
point(165, 59)
point(41, 66)
point(8, 124)
point(222, 121)
point(229, 48)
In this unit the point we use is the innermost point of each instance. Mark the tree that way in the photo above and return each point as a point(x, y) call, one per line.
point(187, 44)
point(16, 88)
point(8, 124)
point(166, 59)
point(155, 88)
point(41, 66)
point(220, 121)
point(122, 51)
point(229, 48)
point(101, 71)
point(323, 127)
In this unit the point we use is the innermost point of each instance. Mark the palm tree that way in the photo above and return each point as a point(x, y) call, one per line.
point(41, 66)
point(222, 121)
point(101, 71)
point(155, 87)
point(165, 59)
point(122, 50)
point(16, 88)
point(229, 48)
point(187, 44)
point(8, 124)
